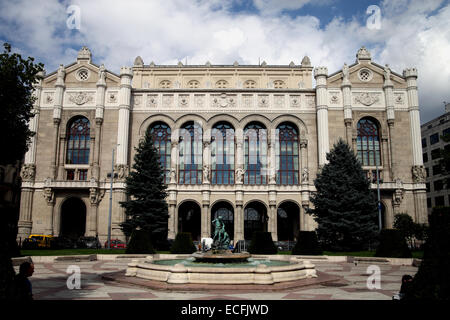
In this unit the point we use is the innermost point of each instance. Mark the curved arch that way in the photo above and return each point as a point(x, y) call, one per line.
point(223, 200)
point(234, 122)
point(382, 127)
point(189, 218)
point(190, 117)
point(228, 210)
point(188, 200)
point(259, 201)
point(256, 118)
point(289, 200)
point(155, 118)
point(255, 218)
point(301, 126)
point(288, 220)
point(73, 212)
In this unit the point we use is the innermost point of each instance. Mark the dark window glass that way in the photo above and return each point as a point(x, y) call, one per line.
point(438, 185)
point(446, 132)
point(287, 159)
point(190, 154)
point(428, 172)
point(222, 154)
point(70, 174)
point(428, 186)
point(425, 157)
point(368, 143)
point(439, 201)
point(78, 142)
point(428, 202)
point(437, 169)
point(255, 148)
point(434, 138)
point(82, 174)
point(424, 142)
point(435, 154)
point(161, 135)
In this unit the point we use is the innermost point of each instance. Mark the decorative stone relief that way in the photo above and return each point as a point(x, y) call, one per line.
point(80, 98)
point(28, 172)
point(305, 175)
point(122, 171)
point(366, 98)
point(223, 101)
point(112, 97)
point(399, 98)
point(167, 100)
point(49, 196)
point(263, 101)
point(334, 97)
point(48, 98)
point(183, 100)
point(295, 101)
point(152, 101)
point(95, 196)
point(310, 101)
point(279, 101)
point(199, 101)
point(205, 174)
point(173, 175)
point(418, 173)
point(247, 101)
point(240, 175)
point(137, 101)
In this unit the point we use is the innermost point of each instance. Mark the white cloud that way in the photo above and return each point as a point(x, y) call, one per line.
point(413, 33)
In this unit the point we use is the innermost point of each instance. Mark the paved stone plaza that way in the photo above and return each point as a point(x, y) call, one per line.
point(49, 283)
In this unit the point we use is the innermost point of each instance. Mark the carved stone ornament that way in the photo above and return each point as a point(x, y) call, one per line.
point(334, 98)
point(310, 101)
point(363, 54)
point(183, 100)
point(121, 170)
point(95, 196)
point(137, 100)
point(223, 101)
point(263, 101)
point(418, 173)
point(305, 175)
point(205, 174)
point(240, 175)
point(306, 62)
point(80, 98)
point(399, 99)
point(272, 175)
point(295, 101)
point(49, 196)
point(152, 101)
point(199, 101)
point(173, 175)
point(167, 101)
point(112, 97)
point(48, 98)
point(28, 172)
point(345, 73)
point(279, 101)
point(366, 98)
point(397, 197)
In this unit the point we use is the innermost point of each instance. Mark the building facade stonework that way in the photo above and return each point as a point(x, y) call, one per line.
point(241, 141)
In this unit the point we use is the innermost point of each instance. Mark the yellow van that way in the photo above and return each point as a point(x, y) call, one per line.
point(43, 240)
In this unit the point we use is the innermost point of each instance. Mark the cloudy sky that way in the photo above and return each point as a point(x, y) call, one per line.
point(401, 33)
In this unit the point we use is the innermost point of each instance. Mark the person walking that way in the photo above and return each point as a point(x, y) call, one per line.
point(23, 287)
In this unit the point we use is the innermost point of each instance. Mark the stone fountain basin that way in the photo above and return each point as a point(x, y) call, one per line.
point(260, 274)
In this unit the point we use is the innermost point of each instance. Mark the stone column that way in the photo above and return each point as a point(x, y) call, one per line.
point(393, 165)
point(320, 74)
point(272, 158)
point(389, 171)
point(172, 188)
point(172, 231)
point(57, 110)
point(386, 174)
point(126, 75)
point(346, 88)
point(239, 217)
point(99, 111)
point(28, 171)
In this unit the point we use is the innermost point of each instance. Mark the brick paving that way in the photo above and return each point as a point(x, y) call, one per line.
point(347, 281)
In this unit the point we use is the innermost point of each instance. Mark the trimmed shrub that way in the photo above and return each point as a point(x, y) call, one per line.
point(392, 244)
point(307, 244)
point(183, 243)
point(262, 243)
point(432, 280)
point(140, 242)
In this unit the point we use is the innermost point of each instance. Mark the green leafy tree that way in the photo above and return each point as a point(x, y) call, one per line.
point(344, 205)
point(405, 224)
point(146, 207)
point(17, 77)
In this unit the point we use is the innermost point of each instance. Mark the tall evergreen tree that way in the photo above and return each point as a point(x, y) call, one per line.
point(344, 206)
point(146, 207)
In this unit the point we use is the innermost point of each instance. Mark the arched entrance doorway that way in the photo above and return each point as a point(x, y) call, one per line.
point(73, 218)
point(226, 211)
point(255, 219)
point(288, 221)
point(189, 219)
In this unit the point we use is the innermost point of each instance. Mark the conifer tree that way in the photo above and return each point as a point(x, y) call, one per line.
point(344, 205)
point(146, 207)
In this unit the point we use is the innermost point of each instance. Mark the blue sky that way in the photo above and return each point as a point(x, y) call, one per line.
point(411, 33)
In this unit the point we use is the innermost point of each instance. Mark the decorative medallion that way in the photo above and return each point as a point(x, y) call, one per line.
point(112, 97)
point(263, 101)
point(399, 98)
point(81, 98)
point(152, 101)
point(48, 98)
point(295, 101)
point(183, 100)
point(334, 98)
point(366, 98)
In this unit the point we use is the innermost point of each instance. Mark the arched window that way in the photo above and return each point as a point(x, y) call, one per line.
point(278, 84)
point(287, 159)
point(222, 154)
point(368, 143)
point(190, 154)
point(255, 149)
point(165, 84)
point(78, 141)
point(161, 134)
point(249, 84)
point(221, 84)
point(193, 84)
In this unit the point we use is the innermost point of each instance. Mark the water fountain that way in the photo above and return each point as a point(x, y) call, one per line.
point(220, 266)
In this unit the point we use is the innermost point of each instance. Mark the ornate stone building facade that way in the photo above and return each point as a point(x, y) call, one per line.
point(242, 141)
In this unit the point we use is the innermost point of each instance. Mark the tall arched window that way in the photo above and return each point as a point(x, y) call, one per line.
point(190, 154)
point(368, 143)
point(287, 160)
point(78, 141)
point(222, 154)
point(161, 134)
point(255, 149)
